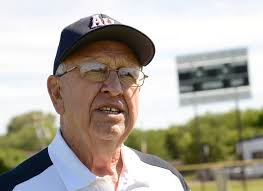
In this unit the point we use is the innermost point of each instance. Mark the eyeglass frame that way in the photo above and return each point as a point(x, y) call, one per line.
point(116, 70)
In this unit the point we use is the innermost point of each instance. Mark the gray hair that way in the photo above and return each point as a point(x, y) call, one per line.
point(61, 69)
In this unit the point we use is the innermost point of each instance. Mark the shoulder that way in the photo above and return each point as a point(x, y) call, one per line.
point(25, 171)
point(158, 162)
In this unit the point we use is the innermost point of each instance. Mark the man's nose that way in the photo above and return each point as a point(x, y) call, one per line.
point(112, 85)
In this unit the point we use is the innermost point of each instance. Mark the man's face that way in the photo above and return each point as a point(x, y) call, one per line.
point(85, 102)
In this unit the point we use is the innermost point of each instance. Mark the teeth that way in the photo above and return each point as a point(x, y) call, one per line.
point(109, 110)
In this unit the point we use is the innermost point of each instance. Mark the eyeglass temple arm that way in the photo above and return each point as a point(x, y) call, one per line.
point(67, 71)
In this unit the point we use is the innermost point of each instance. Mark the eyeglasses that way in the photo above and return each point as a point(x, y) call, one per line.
point(98, 72)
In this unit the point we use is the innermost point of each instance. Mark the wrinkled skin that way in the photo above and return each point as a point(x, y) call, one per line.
point(93, 135)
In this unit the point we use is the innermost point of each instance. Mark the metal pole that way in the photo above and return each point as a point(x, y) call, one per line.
point(240, 136)
point(198, 141)
point(198, 133)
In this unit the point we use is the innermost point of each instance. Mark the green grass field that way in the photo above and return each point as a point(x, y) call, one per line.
point(252, 185)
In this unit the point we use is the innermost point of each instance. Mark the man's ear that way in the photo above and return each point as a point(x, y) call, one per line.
point(53, 87)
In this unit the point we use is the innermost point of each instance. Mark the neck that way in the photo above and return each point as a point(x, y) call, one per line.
point(104, 163)
point(101, 158)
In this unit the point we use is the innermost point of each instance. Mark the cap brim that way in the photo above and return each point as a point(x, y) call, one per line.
point(142, 45)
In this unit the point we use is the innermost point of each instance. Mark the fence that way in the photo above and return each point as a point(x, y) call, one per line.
point(224, 176)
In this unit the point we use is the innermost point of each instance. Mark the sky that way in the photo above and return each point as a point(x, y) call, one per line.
point(30, 32)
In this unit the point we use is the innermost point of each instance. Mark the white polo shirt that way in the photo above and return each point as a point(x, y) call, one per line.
point(65, 172)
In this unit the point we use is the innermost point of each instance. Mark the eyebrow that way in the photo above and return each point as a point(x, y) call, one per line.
point(102, 60)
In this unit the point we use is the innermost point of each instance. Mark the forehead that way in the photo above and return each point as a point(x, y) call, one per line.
point(109, 52)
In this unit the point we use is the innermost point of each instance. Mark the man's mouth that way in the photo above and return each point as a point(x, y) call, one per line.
point(110, 110)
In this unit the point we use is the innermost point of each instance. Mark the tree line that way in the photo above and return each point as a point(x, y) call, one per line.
point(211, 137)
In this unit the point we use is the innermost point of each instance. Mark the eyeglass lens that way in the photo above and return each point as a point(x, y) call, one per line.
point(100, 72)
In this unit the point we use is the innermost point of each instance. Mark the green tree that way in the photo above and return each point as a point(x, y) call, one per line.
point(29, 131)
point(218, 133)
point(155, 140)
point(34, 119)
point(27, 134)
point(10, 157)
point(176, 141)
point(135, 139)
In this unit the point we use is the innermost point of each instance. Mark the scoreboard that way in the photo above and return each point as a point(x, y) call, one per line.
point(213, 76)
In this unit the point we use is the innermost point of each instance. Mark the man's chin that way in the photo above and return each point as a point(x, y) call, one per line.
point(109, 132)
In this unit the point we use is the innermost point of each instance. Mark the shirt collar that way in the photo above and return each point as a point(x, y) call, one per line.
point(134, 168)
point(72, 171)
point(75, 175)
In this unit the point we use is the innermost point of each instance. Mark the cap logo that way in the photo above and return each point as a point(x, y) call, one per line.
point(97, 21)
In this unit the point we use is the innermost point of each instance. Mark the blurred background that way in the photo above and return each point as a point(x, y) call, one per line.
point(210, 131)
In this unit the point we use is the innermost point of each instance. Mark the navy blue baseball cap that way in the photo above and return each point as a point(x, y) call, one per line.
point(102, 27)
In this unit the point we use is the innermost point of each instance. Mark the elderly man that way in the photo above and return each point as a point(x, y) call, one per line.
point(95, 88)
